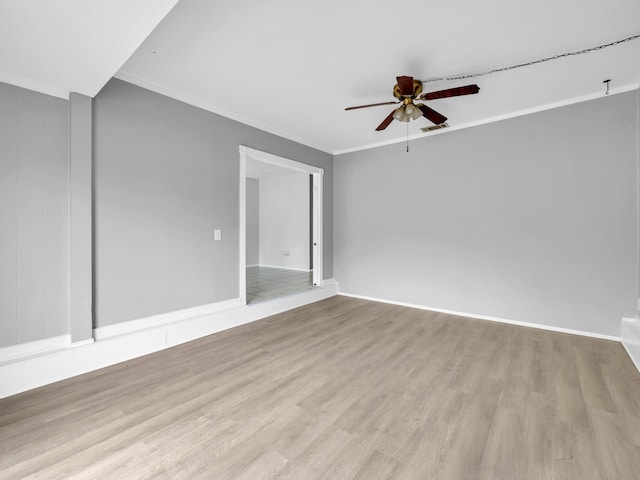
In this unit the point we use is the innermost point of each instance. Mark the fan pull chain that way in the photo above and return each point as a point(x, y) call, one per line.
point(407, 137)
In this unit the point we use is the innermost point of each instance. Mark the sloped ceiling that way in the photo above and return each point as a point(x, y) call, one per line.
point(290, 67)
point(57, 47)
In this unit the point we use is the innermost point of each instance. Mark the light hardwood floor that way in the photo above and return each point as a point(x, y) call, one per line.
point(341, 389)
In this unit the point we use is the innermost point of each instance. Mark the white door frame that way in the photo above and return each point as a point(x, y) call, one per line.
point(317, 173)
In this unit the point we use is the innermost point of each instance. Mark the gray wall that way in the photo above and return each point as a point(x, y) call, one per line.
point(532, 219)
point(284, 220)
point(34, 218)
point(167, 175)
point(253, 221)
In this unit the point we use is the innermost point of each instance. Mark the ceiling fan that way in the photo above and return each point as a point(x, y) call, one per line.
point(407, 90)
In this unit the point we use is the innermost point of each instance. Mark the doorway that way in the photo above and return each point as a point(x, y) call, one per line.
point(282, 269)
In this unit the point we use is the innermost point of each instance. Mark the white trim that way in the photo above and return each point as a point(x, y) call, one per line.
point(497, 118)
point(26, 349)
point(67, 232)
point(38, 370)
point(318, 222)
point(218, 110)
point(154, 87)
point(123, 328)
point(317, 174)
point(283, 268)
point(630, 333)
point(242, 230)
point(279, 161)
point(486, 317)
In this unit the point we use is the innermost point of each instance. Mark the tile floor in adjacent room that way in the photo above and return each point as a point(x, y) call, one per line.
point(264, 283)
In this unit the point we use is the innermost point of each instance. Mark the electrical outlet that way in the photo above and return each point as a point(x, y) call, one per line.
point(217, 234)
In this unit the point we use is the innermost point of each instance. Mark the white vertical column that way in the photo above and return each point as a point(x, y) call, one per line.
point(242, 233)
point(80, 219)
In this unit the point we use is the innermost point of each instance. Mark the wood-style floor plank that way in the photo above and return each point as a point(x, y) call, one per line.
point(341, 389)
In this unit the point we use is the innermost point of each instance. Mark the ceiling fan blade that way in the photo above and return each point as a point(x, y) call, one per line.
point(405, 84)
point(385, 123)
point(432, 115)
point(451, 92)
point(371, 105)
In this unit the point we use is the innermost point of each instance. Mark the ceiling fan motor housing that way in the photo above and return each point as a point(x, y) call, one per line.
point(417, 90)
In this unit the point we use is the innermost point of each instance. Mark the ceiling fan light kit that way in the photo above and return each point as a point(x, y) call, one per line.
point(406, 113)
point(407, 90)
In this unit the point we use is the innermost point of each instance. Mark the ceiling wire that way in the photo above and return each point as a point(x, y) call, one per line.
point(533, 62)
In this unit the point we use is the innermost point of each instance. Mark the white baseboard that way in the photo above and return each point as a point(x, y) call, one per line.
point(152, 321)
point(88, 341)
point(630, 333)
point(138, 338)
point(485, 317)
point(26, 349)
point(286, 268)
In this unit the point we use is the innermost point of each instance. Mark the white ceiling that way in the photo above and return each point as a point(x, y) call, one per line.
point(57, 47)
point(290, 67)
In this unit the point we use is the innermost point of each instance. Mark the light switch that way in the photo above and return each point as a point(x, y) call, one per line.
point(217, 234)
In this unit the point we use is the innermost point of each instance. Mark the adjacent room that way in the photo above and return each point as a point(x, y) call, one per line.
point(279, 228)
point(348, 240)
